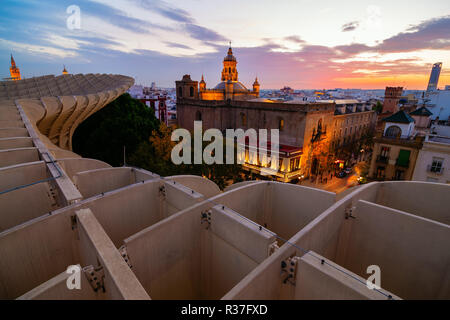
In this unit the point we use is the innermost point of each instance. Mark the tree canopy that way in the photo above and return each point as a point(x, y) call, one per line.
point(128, 122)
point(123, 122)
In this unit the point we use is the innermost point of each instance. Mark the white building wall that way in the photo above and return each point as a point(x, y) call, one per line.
point(429, 151)
point(438, 102)
point(407, 129)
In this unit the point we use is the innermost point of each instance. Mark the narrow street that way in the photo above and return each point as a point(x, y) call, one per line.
point(336, 185)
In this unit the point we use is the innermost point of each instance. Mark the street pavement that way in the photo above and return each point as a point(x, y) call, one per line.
point(336, 185)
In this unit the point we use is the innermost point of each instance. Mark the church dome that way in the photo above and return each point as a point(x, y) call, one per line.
point(229, 56)
point(237, 86)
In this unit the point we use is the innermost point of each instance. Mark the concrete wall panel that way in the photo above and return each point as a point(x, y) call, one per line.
point(97, 248)
point(409, 196)
point(21, 205)
point(202, 185)
point(166, 256)
point(20, 155)
point(13, 132)
point(74, 165)
point(34, 253)
point(293, 207)
point(56, 289)
point(316, 281)
point(14, 143)
point(96, 181)
point(245, 236)
point(22, 174)
point(412, 246)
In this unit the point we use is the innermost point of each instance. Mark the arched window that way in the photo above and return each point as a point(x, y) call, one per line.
point(229, 70)
point(191, 91)
point(393, 132)
point(180, 92)
point(198, 116)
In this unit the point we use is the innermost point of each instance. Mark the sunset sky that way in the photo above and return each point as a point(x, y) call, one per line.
point(304, 44)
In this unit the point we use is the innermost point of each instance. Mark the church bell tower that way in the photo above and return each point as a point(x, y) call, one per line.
point(229, 71)
point(14, 71)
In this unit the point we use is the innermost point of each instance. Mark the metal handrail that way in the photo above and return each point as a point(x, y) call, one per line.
point(60, 174)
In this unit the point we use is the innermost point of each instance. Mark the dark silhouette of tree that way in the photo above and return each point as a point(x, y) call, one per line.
point(378, 107)
point(123, 122)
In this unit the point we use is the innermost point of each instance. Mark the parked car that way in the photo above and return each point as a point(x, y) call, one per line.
point(341, 174)
point(362, 180)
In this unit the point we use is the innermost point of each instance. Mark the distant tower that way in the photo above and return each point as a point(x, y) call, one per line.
point(434, 76)
point(14, 71)
point(229, 71)
point(256, 85)
point(187, 88)
point(64, 71)
point(202, 84)
point(391, 99)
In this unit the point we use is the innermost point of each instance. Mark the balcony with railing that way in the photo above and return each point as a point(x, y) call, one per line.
point(382, 159)
point(435, 169)
point(409, 141)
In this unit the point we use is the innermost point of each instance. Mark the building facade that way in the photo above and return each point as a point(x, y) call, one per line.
point(306, 129)
point(433, 160)
point(438, 102)
point(353, 122)
point(395, 149)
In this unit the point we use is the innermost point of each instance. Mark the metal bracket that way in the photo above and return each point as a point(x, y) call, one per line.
point(272, 248)
point(95, 276)
point(289, 266)
point(73, 222)
point(162, 191)
point(123, 252)
point(206, 217)
point(348, 212)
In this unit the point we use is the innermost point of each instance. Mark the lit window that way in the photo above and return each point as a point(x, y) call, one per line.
point(281, 124)
point(243, 120)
